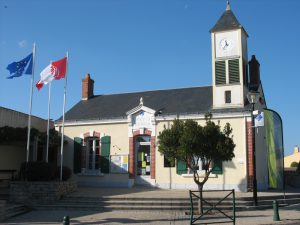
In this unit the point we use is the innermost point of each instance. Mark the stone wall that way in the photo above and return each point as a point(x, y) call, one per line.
point(292, 178)
point(39, 192)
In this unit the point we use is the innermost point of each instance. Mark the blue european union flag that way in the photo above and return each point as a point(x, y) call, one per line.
point(16, 69)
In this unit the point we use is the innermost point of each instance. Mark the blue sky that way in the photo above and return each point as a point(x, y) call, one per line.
point(137, 45)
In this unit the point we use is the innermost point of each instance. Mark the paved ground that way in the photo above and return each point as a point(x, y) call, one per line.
point(288, 215)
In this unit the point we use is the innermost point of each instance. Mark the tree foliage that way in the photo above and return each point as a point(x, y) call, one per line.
point(9, 135)
point(294, 164)
point(190, 142)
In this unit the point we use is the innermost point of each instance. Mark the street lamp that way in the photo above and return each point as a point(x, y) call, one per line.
point(253, 97)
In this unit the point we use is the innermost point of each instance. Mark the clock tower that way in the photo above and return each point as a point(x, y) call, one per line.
point(229, 62)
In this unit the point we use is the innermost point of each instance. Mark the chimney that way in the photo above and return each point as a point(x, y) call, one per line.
point(296, 149)
point(87, 87)
point(254, 74)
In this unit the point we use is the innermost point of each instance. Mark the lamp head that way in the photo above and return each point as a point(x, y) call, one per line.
point(253, 97)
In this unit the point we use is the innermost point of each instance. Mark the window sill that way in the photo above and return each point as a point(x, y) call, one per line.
point(201, 174)
point(91, 174)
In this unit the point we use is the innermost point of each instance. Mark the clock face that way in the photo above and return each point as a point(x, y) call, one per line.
point(226, 44)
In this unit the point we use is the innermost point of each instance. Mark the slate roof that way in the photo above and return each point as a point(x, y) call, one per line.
point(227, 21)
point(173, 101)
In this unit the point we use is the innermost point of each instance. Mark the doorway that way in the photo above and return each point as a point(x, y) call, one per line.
point(143, 160)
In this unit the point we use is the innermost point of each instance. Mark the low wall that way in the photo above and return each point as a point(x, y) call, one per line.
point(103, 180)
point(38, 192)
point(293, 180)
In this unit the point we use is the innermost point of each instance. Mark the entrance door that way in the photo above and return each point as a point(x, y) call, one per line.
point(143, 159)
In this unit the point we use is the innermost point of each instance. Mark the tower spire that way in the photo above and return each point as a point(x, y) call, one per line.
point(228, 6)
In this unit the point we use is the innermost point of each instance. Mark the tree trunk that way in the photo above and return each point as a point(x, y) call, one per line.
point(200, 200)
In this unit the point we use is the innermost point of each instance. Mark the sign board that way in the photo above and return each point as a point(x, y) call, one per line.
point(119, 163)
point(259, 120)
point(142, 120)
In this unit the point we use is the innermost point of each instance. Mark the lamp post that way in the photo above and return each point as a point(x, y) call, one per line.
point(253, 97)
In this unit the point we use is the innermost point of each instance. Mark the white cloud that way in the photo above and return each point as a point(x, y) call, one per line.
point(22, 44)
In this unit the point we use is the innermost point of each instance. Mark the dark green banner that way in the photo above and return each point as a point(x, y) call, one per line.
point(274, 142)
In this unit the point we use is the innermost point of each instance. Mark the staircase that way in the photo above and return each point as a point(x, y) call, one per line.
point(110, 203)
point(8, 210)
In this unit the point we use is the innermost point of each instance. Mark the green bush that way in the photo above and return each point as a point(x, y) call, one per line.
point(37, 171)
point(66, 173)
point(294, 164)
point(43, 171)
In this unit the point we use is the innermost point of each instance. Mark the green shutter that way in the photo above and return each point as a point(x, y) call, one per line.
point(217, 167)
point(234, 71)
point(220, 72)
point(77, 155)
point(181, 167)
point(105, 153)
point(104, 164)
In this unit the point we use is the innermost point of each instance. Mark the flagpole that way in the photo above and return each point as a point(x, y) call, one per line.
point(30, 105)
point(63, 121)
point(48, 125)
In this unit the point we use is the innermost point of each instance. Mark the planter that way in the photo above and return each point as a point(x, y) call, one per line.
point(39, 192)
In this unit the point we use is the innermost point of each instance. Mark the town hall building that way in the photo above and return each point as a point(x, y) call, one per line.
point(113, 139)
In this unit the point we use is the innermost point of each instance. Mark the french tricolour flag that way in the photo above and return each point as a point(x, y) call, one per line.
point(54, 71)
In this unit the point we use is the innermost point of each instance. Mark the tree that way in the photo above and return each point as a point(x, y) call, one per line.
point(189, 142)
point(294, 164)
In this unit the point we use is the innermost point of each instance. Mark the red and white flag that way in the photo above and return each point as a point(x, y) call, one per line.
point(54, 71)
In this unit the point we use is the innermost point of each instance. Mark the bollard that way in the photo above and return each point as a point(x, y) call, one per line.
point(275, 211)
point(66, 220)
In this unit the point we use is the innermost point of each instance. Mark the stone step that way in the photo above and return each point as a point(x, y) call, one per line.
point(142, 207)
point(271, 197)
point(115, 207)
point(147, 201)
point(9, 211)
point(3, 202)
point(95, 198)
point(155, 205)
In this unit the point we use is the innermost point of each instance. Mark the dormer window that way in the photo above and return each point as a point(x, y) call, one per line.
point(227, 97)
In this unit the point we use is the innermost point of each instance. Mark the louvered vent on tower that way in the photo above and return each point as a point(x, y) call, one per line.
point(220, 72)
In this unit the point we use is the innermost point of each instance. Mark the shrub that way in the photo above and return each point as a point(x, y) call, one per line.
point(37, 171)
point(294, 164)
point(66, 173)
point(43, 171)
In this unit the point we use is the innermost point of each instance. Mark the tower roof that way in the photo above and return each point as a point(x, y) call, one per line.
point(227, 21)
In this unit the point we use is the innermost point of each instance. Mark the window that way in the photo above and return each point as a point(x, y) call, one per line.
point(220, 72)
point(181, 167)
point(199, 165)
point(227, 96)
point(168, 162)
point(234, 71)
point(93, 154)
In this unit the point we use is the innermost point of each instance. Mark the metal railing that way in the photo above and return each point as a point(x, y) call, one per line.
point(214, 210)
